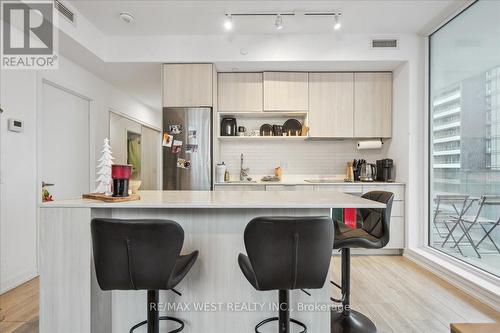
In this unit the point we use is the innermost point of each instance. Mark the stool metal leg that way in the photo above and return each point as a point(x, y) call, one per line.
point(346, 280)
point(348, 320)
point(153, 320)
point(283, 318)
point(284, 314)
point(153, 317)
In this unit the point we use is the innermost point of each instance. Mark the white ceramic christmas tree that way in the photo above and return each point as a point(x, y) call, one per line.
point(104, 170)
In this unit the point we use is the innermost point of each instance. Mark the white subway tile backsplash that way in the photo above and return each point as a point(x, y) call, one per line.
point(296, 157)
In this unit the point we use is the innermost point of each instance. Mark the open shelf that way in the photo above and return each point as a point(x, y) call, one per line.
point(250, 138)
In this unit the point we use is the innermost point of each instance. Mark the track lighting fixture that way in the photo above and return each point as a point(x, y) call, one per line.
point(337, 25)
point(228, 22)
point(278, 23)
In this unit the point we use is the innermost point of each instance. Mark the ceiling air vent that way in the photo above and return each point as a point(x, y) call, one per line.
point(386, 43)
point(65, 11)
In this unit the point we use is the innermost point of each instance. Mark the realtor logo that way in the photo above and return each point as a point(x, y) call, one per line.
point(29, 38)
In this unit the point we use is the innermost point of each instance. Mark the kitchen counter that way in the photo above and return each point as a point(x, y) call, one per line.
point(305, 180)
point(222, 199)
point(213, 223)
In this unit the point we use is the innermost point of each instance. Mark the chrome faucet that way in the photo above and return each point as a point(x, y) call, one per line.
point(243, 171)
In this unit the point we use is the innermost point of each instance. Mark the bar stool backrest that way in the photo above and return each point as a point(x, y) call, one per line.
point(376, 221)
point(135, 254)
point(289, 252)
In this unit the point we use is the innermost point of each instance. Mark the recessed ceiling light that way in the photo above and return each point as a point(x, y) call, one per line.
point(127, 17)
point(337, 25)
point(279, 22)
point(228, 22)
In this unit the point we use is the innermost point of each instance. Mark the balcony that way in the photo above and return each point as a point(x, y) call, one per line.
point(454, 124)
point(446, 152)
point(446, 99)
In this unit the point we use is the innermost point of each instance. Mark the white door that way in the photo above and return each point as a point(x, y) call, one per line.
point(65, 142)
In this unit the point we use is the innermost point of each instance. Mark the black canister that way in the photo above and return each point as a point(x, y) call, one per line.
point(120, 187)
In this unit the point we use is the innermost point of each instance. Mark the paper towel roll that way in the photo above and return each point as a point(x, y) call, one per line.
point(372, 144)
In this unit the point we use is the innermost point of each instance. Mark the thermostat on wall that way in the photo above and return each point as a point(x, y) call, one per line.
point(16, 125)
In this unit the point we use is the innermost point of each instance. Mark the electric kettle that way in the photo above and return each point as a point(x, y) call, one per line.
point(368, 172)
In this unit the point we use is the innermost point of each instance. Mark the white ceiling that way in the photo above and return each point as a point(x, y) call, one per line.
point(206, 17)
point(143, 80)
point(140, 80)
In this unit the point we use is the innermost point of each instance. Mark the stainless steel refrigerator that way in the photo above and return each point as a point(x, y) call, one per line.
point(187, 148)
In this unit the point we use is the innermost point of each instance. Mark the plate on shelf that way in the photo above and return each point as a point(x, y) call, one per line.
point(266, 130)
point(292, 127)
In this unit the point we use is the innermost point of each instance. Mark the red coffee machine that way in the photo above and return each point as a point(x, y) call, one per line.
point(121, 175)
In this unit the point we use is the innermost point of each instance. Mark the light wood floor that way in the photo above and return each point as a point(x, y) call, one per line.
point(395, 293)
point(19, 307)
point(401, 297)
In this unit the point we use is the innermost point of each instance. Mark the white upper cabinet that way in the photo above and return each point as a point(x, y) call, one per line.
point(240, 92)
point(331, 105)
point(372, 105)
point(286, 91)
point(187, 85)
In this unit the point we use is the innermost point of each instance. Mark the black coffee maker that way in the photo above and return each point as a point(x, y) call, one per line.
point(384, 170)
point(228, 127)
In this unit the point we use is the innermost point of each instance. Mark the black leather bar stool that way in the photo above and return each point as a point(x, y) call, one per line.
point(287, 253)
point(374, 234)
point(141, 255)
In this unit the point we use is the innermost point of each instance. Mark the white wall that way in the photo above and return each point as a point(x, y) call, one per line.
point(19, 191)
point(297, 157)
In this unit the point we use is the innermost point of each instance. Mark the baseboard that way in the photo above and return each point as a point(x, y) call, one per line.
point(484, 290)
point(16, 281)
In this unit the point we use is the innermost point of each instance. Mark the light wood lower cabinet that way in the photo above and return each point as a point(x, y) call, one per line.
point(350, 189)
point(396, 233)
point(331, 105)
point(397, 222)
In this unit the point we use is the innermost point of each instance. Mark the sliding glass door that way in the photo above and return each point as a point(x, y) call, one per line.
point(464, 137)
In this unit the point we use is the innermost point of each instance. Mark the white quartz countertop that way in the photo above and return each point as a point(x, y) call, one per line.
point(305, 182)
point(228, 199)
point(311, 180)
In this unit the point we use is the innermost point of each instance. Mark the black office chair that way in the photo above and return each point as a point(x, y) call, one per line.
point(374, 234)
point(286, 253)
point(141, 255)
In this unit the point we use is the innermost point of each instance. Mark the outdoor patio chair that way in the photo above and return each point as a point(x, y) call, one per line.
point(485, 224)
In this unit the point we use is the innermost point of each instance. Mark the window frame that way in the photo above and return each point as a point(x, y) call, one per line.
point(427, 182)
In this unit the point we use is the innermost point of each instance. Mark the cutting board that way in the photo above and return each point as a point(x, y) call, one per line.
point(105, 198)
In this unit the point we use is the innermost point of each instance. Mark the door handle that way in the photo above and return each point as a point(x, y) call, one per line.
point(44, 184)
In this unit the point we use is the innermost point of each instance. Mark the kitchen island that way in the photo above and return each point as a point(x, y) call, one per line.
point(216, 297)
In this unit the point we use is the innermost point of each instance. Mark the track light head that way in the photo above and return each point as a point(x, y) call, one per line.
point(278, 23)
point(337, 25)
point(228, 22)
